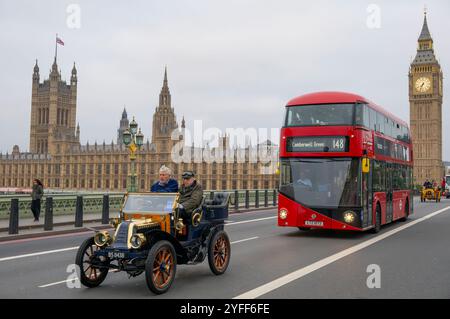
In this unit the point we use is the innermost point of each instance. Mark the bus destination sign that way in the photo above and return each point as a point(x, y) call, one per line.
point(317, 144)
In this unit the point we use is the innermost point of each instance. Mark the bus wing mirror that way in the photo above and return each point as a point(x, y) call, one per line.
point(365, 165)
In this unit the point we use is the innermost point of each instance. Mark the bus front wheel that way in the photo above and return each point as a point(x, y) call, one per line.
point(377, 227)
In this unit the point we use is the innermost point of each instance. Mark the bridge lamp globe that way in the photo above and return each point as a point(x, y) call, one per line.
point(139, 138)
point(126, 137)
point(133, 127)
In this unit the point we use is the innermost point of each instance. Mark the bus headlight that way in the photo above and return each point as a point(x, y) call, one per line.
point(102, 238)
point(349, 217)
point(283, 213)
point(137, 241)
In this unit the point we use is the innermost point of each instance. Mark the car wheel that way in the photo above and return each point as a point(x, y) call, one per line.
point(403, 219)
point(377, 227)
point(304, 228)
point(219, 252)
point(91, 276)
point(160, 267)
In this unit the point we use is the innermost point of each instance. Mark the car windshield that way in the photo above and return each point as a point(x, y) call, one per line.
point(321, 182)
point(321, 114)
point(149, 203)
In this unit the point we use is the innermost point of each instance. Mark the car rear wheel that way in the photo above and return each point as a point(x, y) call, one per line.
point(219, 252)
point(91, 276)
point(160, 267)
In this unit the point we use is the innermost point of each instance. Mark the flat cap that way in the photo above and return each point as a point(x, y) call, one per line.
point(188, 174)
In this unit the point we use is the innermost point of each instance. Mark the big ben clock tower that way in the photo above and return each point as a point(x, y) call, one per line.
point(425, 98)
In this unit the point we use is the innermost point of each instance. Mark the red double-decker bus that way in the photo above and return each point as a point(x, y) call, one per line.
point(345, 163)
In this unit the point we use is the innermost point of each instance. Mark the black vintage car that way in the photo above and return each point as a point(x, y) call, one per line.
point(150, 237)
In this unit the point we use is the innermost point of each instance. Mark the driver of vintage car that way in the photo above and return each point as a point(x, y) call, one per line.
point(191, 195)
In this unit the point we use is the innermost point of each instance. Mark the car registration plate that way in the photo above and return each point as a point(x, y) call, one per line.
point(116, 254)
point(314, 223)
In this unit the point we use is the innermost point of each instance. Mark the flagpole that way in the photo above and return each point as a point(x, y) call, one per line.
point(56, 46)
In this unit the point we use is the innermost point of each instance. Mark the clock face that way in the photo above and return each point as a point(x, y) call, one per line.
point(423, 84)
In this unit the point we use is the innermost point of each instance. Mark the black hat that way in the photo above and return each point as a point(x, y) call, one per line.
point(187, 174)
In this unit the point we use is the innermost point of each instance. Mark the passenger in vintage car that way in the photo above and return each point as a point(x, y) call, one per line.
point(165, 184)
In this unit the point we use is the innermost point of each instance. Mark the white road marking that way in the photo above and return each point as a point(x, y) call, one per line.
point(57, 283)
point(74, 248)
point(251, 220)
point(279, 282)
point(64, 281)
point(242, 240)
point(38, 253)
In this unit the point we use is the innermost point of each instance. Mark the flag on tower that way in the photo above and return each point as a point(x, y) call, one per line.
point(59, 41)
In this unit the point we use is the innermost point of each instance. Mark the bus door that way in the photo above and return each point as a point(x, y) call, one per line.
point(366, 193)
point(389, 193)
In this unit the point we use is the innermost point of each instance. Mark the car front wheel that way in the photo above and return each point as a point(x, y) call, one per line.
point(90, 275)
point(160, 267)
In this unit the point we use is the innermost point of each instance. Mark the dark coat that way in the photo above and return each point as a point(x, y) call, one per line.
point(170, 187)
point(37, 192)
point(191, 197)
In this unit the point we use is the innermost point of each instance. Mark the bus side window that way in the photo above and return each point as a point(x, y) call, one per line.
point(380, 122)
point(372, 119)
point(366, 116)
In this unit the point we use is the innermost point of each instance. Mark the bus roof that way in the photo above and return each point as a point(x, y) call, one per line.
point(339, 97)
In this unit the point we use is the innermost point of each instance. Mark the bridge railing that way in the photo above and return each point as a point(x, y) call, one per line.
point(81, 207)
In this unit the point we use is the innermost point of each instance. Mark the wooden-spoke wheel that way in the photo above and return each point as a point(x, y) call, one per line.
point(90, 274)
point(160, 267)
point(219, 252)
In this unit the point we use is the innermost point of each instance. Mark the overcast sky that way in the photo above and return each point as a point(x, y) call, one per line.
point(230, 63)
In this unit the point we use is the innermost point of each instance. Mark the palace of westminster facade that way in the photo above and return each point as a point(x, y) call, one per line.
point(58, 159)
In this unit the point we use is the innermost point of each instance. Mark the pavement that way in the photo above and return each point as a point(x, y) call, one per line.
point(411, 258)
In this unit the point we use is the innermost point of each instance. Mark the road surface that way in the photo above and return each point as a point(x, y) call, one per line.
point(267, 261)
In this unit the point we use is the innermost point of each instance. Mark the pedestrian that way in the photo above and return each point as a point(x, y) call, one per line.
point(36, 195)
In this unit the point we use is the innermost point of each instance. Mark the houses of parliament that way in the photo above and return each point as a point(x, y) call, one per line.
point(57, 158)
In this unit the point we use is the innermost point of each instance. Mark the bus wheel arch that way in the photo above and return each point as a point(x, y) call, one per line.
point(404, 218)
point(378, 213)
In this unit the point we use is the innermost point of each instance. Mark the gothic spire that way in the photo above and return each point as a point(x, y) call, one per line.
point(425, 33)
point(164, 96)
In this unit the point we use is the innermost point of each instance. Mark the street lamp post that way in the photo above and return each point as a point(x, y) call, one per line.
point(133, 140)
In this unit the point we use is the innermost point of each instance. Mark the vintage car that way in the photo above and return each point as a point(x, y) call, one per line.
point(151, 237)
point(430, 194)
